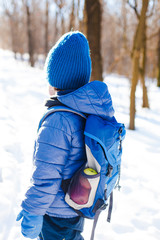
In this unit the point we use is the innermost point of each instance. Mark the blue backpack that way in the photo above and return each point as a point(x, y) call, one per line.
point(90, 188)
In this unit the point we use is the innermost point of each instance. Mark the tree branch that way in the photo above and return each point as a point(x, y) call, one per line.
point(151, 13)
point(134, 7)
point(6, 8)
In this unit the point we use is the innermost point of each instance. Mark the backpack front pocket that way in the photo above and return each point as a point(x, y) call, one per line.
point(82, 188)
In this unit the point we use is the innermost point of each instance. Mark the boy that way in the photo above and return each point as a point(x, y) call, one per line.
point(60, 149)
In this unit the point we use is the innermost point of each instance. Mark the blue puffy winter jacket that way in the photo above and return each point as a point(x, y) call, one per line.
point(60, 150)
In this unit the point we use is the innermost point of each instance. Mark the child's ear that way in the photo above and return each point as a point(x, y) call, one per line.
point(51, 90)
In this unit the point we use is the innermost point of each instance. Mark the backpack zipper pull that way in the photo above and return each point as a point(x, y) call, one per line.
point(109, 171)
point(120, 138)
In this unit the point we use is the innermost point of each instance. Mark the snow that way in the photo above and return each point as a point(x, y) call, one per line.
point(136, 211)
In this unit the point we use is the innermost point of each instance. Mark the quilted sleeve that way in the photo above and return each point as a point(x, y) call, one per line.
point(52, 148)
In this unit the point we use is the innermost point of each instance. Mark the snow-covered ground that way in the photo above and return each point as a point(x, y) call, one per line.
point(136, 213)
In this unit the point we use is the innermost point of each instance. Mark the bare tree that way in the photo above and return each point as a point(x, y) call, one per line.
point(136, 51)
point(46, 26)
point(92, 17)
point(27, 6)
point(72, 17)
point(158, 62)
point(78, 15)
point(60, 15)
point(55, 27)
point(142, 69)
point(158, 47)
point(11, 10)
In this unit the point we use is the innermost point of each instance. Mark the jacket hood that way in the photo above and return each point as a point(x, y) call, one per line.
point(92, 98)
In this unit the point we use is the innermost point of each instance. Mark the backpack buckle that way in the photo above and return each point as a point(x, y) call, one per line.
point(104, 206)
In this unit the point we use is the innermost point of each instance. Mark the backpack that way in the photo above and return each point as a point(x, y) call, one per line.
point(91, 186)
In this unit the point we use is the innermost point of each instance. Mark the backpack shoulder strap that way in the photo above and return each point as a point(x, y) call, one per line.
point(59, 109)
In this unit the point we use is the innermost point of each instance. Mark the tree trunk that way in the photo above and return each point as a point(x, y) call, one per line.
point(135, 61)
point(72, 17)
point(12, 28)
point(46, 27)
point(62, 24)
point(92, 29)
point(124, 22)
point(13, 21)
point(30, 37)
point(56, 28)
point(135, 73)
point(78, 15)
point(158, 64)
point(142, 69)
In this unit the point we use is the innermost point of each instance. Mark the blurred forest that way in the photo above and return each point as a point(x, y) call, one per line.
point(124, 35)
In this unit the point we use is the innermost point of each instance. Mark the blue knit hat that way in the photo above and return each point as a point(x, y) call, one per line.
point(68, 64)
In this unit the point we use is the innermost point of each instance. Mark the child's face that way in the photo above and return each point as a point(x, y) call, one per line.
point(52, 90)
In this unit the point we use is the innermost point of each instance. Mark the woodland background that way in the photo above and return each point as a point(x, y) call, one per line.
point(124, 36)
